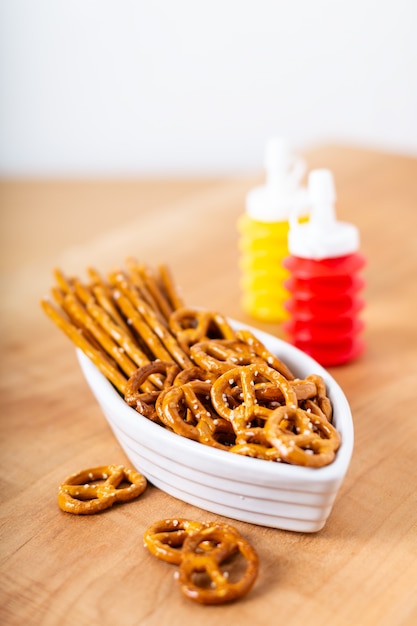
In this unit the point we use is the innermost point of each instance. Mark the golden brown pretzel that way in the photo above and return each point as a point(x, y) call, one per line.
point(170, 288)
point(321, 400)
point(269, 392)
point(80, 315)
point(193, 373)
point(165, 538)
point(96, 489)
point(136, 317)
point(260, 350)
point(219, 587)
point(257, 451)
point(248, 378)
point(137, 394)
point(186, 409)
point(100, 359)
point(191, 326)
point(220, 355)
point(155, 335)
point(302, 437)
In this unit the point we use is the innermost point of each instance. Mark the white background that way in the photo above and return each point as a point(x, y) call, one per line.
point(186, 86)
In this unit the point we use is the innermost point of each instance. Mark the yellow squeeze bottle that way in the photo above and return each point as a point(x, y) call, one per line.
point(263, 233)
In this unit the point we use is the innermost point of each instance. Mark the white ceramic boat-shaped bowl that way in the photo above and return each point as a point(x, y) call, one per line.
point(261, 492)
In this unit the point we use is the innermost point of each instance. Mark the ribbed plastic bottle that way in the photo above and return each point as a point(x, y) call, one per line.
point(263, 233)
point(325, 284)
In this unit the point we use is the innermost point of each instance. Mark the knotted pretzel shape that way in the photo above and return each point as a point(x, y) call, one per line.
point(186, 409)
point(193, 373)
point(243, 415)
point(196, 562)
point(144, 401)
point(260, 350)
point(97, 489)
point(191, 326)
point(302, 437)
point(321, 399)
point(165, 538)
point(221, 355)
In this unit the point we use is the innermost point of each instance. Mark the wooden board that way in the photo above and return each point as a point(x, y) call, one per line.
point(60, 569)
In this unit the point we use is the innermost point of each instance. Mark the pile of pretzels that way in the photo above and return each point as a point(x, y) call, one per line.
point(189, 370)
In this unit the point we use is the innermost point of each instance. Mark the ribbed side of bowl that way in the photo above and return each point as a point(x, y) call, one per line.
point(288, 509)
point(272, 494)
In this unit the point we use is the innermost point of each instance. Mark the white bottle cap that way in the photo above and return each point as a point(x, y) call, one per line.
point(282, 193)
point(322, 236)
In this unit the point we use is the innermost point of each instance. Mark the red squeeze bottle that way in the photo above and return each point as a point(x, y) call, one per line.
point(324, 284)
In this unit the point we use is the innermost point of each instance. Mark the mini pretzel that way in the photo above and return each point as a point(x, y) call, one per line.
point(136, 393)
point(220, 355)
point(196, 561)
point(302, 437)
point(248, 378)
point(191, 326)
point(257, 451)
point(304, 390)
point(260, 350)
point(322, 400)
point(193, 373)
point(186, 409)
point(93, 490)
point(164, 539)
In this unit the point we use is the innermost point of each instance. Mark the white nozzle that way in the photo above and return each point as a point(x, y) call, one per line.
point(322, 194)
point(282, 192)
point(322, 236)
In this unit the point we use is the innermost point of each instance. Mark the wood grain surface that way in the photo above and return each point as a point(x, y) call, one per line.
point(58, 569)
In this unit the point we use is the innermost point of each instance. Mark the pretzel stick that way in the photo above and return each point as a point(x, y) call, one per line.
point(154, 288)
point(170, 287)
point(138, 323)
point(82, 292)
point(137, 279)
point(125, 342)
point(168, 341)
point(98, 357)
point(59, 297)
point(106, 303)
point(164, 335)
point(104, 295)
point(64, 283)
point(77, 312)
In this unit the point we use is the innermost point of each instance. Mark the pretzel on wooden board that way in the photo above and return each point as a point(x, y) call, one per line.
point(209, 556)
point(93, 490)
point(165, 538)
point(220, 588)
